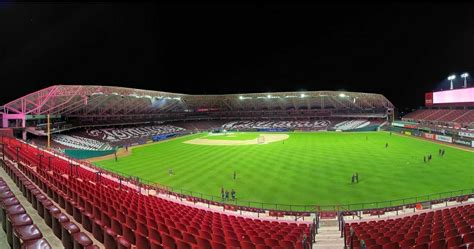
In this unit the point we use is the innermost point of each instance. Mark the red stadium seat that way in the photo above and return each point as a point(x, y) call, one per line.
point(247, 245)
point(454, 241)
point(407, 243)
point(439, 244)
point(182, 245)
point(423, 240)
point(468, 237)
point(203, 243)
point(391, 245)
point(421, 246)
point(168, 241)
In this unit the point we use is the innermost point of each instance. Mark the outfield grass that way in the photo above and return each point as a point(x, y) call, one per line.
point(308, 168)
point(234, 136)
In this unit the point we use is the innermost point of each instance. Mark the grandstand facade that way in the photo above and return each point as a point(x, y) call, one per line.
point(90, 104)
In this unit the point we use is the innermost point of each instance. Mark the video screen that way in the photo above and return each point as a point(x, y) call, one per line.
point(465, 95)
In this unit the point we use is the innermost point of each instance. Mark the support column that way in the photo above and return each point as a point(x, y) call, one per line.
point(4, 121)
point(49, 133)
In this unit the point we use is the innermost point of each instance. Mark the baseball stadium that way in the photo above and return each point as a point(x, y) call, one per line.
point(234, 125)
point(116, 167)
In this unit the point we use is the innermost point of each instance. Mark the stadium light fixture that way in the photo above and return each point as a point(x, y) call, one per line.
point(302, 95)
point(269, 96)
point(342, 95)
point(465, 75)
point(241, 97)
point(451, 78)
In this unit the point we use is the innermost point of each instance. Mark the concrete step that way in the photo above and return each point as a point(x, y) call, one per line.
point(328, 228)
point(328, 223)
point(329, 236)
point(328, 247)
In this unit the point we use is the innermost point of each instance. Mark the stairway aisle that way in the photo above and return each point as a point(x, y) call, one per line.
point(329, 236)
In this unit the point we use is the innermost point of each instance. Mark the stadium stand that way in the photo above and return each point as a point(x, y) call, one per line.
point(245, 125)
point(447, 228)
point(442, 116)
point(79, 142)
point(203, 125)
point(351, 124)
point(118, 215)
point(122, 134)
point(315, 125)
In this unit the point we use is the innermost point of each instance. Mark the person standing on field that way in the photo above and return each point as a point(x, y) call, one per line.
point(235, 175)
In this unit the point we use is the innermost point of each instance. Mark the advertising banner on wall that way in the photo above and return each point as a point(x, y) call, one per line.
point(397, 124)
point(462, 142)
point(408, 133)
point(466, 134)
point(429, 136)
point(444, 138)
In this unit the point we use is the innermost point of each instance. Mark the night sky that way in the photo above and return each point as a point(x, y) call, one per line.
point(399, 50)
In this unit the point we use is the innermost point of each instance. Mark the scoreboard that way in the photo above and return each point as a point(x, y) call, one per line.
point(457, 97)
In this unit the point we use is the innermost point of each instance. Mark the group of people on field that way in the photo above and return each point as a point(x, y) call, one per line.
point(429, 157)
point(355, 178)
point(225, 194)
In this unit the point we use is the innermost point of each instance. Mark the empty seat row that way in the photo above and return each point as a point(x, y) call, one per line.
point(68, 232)
point(119, 216)
point(446, 228)
point(17, 224)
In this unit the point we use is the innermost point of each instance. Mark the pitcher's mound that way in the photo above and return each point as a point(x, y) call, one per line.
point(262, 139)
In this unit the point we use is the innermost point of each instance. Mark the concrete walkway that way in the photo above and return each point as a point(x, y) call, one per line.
point(3, 239)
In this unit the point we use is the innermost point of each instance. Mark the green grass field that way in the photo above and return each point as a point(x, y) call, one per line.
point(308, 168)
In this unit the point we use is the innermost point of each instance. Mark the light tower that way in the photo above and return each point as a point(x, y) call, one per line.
point(464, 76)
point(451, 78)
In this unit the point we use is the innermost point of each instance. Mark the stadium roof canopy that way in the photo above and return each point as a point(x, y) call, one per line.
point(82, 101)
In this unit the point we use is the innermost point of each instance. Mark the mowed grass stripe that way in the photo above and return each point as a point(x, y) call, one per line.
point(308, 168)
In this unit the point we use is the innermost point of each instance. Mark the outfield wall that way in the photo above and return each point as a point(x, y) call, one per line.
point(450, 138)
point(84, 154)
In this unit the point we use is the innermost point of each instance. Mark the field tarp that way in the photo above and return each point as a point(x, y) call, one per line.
point(162, 137)
point(84, 154)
